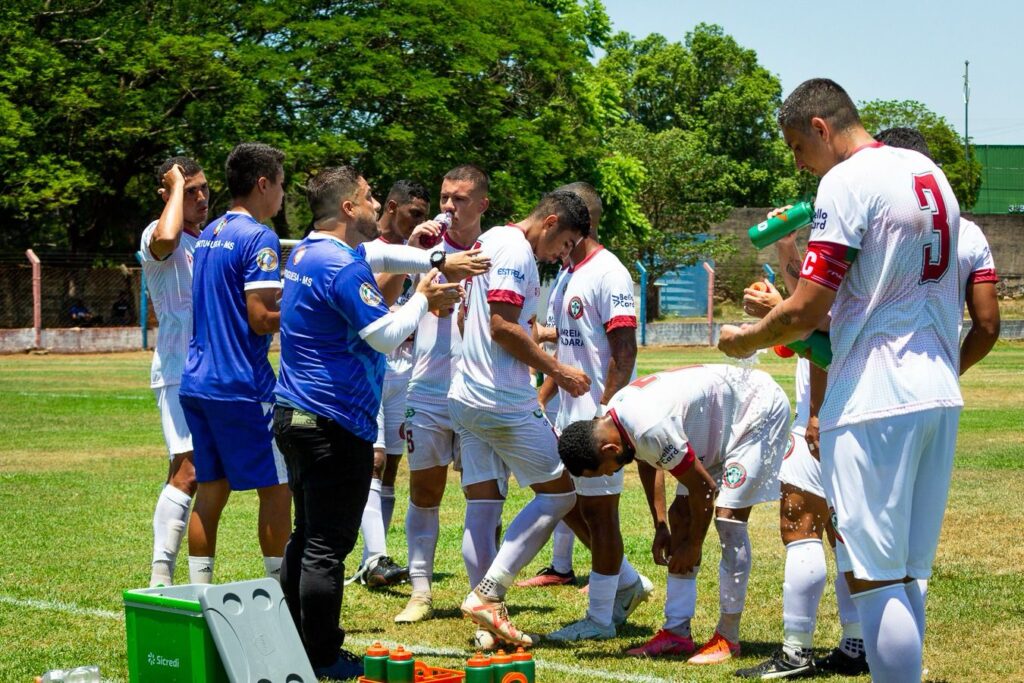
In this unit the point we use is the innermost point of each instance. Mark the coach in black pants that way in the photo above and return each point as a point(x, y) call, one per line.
point(335, 330)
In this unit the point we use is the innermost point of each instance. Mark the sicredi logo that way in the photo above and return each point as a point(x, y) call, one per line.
point(159, 660)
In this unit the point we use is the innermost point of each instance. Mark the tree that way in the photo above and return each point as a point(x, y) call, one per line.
point(680, 190)
point(946, 146)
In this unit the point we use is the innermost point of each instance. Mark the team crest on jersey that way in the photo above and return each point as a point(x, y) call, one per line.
point(369, 296)
point(575, 308)
point(266, 259)
point(220, 226)
point(835, 525)
point(409, 412)
point(538, 413)
point(297, 256)
point(734, 476)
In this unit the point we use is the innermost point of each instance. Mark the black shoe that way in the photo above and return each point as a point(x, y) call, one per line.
point(838, 662)
point(345, 668)
point(780, 666)
point(386, 573)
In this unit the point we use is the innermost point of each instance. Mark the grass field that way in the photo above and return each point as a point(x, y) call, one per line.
point(82, 461)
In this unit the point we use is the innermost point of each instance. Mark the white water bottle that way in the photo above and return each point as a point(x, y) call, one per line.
point(82, 674)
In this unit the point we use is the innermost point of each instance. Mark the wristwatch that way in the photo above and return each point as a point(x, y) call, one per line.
point(437, 259)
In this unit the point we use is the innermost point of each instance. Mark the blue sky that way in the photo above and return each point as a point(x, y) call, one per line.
point(899, 49)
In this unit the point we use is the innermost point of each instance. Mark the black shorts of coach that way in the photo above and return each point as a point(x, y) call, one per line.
point(329, 471)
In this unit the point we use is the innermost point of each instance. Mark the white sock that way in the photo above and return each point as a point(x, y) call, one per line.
point(733, 575)
point(422, 527)
point(680, 602)
point(916, 599)
point(561, 548)
point(852, 640)
point(802, 587)
point(169, 521)
point(891, 638)
point(627, 574)
point(922, 585)
point(372, 526)
point(387, 506)
point(527, 534)
point(479, 545)
point(200, 569)
point(272, 567)
point(602, 597)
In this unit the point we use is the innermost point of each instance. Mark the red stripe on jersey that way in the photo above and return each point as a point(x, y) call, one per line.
point(448, 238)
point(983, 275)
point(620, 321)
point(623, 434)
point(577, 266)
point(685, 464)
point(505, 296)
point(826, 264)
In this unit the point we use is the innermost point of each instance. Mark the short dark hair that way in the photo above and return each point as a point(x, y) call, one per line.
point(577, 447)
point(250, 161)
point(822, 98)
point(905, 138)
point(404, 191)
point(586, 192)
point(326, 189)
point(473, 174)
point(569, 207)
point(189, 167)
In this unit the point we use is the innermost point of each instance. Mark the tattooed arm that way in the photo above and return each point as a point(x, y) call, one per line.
point(793, 319)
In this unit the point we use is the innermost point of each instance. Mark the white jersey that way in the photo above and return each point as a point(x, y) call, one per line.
point(592, 299)
point(170, 289)
point(802, 389)
point(436, 351)
point(399, 361)
point(701, 411)
point(895, 345)
point(555, 402)
point(489, 377)
point(975, 257)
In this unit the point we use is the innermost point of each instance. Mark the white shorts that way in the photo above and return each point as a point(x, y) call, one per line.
point(750, 473)
point(172, 419)
point(495, 445)
point(799, 467)
point(430, 440)
point(390, 416)
point(600, 486)
point(888, 480)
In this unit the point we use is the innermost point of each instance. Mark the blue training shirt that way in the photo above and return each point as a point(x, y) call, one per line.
point(326, 367)
point(226, 359)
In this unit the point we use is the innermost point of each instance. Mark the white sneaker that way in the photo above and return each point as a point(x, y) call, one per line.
point(584, 629)
point(493, 617)
point(419, 608)
point(629, 598)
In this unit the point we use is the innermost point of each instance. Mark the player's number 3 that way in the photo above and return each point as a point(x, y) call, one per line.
point(935, 265)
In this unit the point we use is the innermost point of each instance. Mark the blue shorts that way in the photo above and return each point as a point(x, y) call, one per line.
point(234, 440)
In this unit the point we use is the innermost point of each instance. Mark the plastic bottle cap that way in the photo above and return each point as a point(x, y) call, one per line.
point(521, 655)
point(478, 660)
point(400, 654)
point(759, 286)
point(501, 658)
point(783, 351)
point(377, 650)
point(514, 677)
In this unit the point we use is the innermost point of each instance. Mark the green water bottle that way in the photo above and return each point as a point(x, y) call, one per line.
point(401, 668)
point(522, 661)
point(775, 228)
point(819, 344)
point(478, 669)
point(501, 664)
point(375, 663)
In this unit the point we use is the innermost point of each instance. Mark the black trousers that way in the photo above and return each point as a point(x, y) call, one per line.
point(329, 472)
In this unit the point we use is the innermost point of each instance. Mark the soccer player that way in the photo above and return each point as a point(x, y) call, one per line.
point(432, 443)
point(713, 427)
point(227, 387)
point(335, 330)
point(881, 257)
point(167, 246)
point(404, 209)
point(595, 316)
point(493, 403)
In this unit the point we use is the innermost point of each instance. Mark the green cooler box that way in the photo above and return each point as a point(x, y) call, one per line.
point(168, 639)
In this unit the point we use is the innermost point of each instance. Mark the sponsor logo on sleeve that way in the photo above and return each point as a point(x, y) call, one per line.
point(668, 455)
point(516, 275)
point(369, 295)
point(575, 308)
point(820, 218)
point(266, 259)
point(622, 300)
point(734, 476)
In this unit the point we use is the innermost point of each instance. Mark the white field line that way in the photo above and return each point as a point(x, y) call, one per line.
point(71, 608)
point(67, 394)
